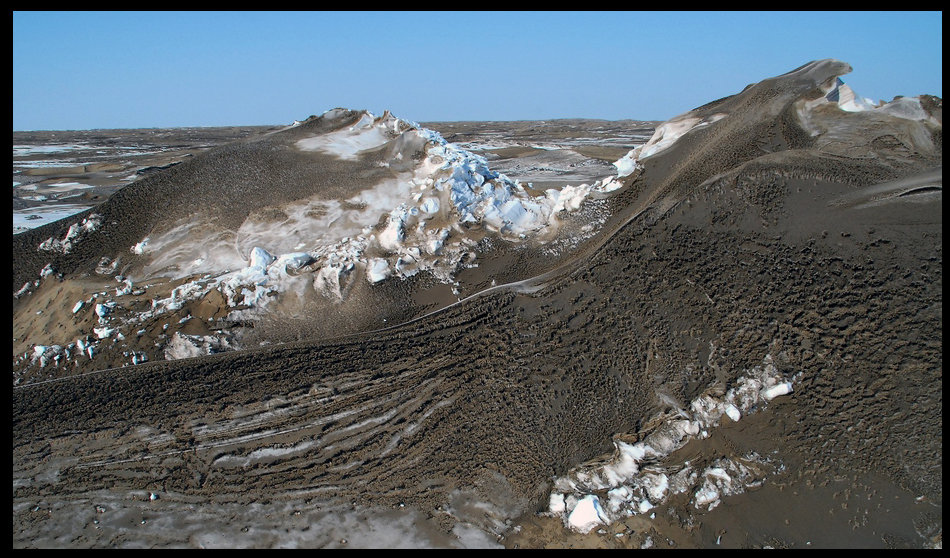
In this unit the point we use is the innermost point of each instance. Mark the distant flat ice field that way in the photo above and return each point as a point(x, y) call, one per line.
point(25, 219)
point(85, 167)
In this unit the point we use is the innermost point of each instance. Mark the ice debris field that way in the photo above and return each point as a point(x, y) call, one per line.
point(638, 476)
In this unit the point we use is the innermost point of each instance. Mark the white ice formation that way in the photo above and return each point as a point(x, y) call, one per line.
point(635, 479)
point(666, 134)
point(46, 353)
point(189, 346)
point(837, 93)
point(587, 514)
point(73, 235)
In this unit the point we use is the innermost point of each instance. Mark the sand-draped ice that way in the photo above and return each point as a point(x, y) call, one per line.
point(337, 237)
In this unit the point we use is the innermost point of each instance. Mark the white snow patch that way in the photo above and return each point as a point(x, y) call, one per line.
point(627, 164)
point(664, 136)
point(726, 477)
point(260, 258)
point(777, 390)
point(587, 514)
point(104, 309)
point(187, 346)
point(103, 332)
point(733, 413)
point(368, 133)
point(378, 270)
point(139, 248)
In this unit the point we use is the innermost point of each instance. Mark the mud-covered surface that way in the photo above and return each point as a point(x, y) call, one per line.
point(745, 242)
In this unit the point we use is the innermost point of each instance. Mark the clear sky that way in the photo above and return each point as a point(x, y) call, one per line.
point(85, 70)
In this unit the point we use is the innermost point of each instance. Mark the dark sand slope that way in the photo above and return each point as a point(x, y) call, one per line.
point(817, 242)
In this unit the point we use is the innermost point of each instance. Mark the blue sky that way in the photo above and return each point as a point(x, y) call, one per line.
point(84, 70)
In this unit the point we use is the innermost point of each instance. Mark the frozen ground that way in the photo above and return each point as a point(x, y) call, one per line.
point(732, 342)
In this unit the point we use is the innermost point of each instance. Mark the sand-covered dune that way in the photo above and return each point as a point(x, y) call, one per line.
point(735, 339)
